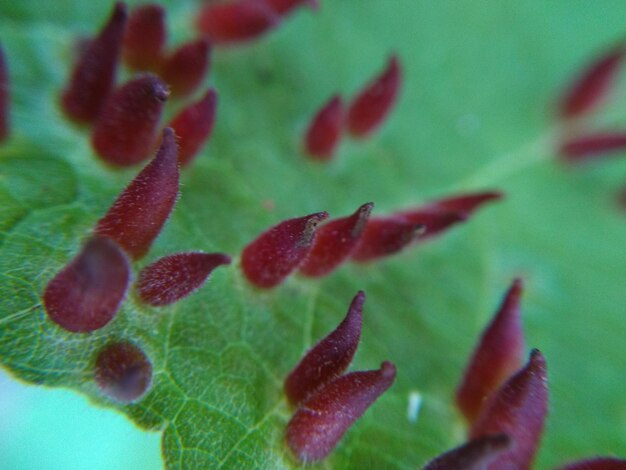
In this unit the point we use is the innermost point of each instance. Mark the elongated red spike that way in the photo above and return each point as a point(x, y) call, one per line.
point(4, 96)
point(335, 241)
point(138, 214)
point(434, 221)
point(237, 21)
point(145, 37)
point(126, 130)
point(187, 67)
point(173, 277)
point(269, 259)
point(518, 408)
point(322, 420)
point(87, 293)
point(475, 455)
point(285, 7)
point(123, 372)
point(592, 85)
point(597, 463)
point(370, 108)
point(384, 236)
point(499, 353)
point(93, 77)
point(328, 358)
point(193, 126)
point(592, 146)
point(324, 132)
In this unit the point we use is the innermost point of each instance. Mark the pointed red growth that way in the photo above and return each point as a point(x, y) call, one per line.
point(475, 455)
point(93, 77)
point(236, 21)
point(370, 108)
point(322, 420)
point(498, 355)
point(328, 358)
point(518, 409)
point(269, 259)
point(145, 37)
point(87, 293)
point(384, 236)
point(324, 132)
point(123, 372)
point(173, 277)
point(193, 126)
point(335, 241)
point(592, 146)
point(592, 85)
point(126, 131)
point(4, 96)
point(284, 7)
point(187, 67)
point(138, 214)
point(597, 463)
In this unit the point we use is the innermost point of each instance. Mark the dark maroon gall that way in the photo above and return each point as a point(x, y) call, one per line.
point(145, 38)
point(285, 7)
point(384, 236)
point(475, 455)
point(87, 293)
point(187, 67)
point(321, 421)
point(138, 214)
point(597, 463)
point(193, 126)
point(173, 277)
point(277, 252)
point(592, 146)
point(4, 96)
point(123, 372)
point(93, 77)
point(499, 353)
point(372, 105)
point(324, 132)
point(329, 358)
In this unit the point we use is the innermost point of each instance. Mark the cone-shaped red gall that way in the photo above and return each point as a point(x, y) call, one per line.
point(236, 21)
point(123, 372)
point(193, 126)
point(173, 277)
point(335, 241)
point(145, 37)
point(321, 421)
point(499, 353)
point(329, 358)
point(138, 214)
point(127, 129)
point(593, 146)
point(475, 455)
point(277, 252)
point(93, 76)
point(87, 293)
point(518, 409)
point(597, 463)
point(384, 236)
point(187, 67)
point(592, 85)
point(324, 132)
point(285, 7)
point(4, 96)
point(369, 109)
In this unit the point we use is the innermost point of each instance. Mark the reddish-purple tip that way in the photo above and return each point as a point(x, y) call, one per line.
point(384, 236)
point(126, 131)
point(324, 132)
point(93, 77)
point(138, 214)
point(123, 372)
point(499, 353)
point(145, 37)
point(328, 358)
point(284, 7)
point(592, 146)
point(4, 96)
point(518, 409)
point(173, 277)
point(187, 67)
point(87, 293)
point(597, 463)
point(475, 455)
point(269, 259)
point(370, 108)
point(193, 126)
point(321, 421)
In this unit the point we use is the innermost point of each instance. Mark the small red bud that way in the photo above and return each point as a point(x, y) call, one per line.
point(87, 293)
point(322, 420)
point(138, 214)
point(187, 67)
point(126, 130)
point(173, 277)
point(597, 463)
point(328, 358)
point(145, 37)
point(592, 146)
point(324, 132)
point(370, 108)
point(4, 96)
point(475, 455)
point(384, 236)
point(123, 372)
point(93, 77)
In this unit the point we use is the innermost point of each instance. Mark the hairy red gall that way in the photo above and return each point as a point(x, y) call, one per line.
point(145, 38)
point(384, 236)
point(123, 372)
point(475, 455)
point(597, 463)
point(324, 132)
point(592, 146)
point(186, 68)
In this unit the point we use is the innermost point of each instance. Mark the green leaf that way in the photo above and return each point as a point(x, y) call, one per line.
point(476, 112)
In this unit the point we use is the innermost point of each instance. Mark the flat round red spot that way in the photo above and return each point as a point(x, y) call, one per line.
point(123, 371)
